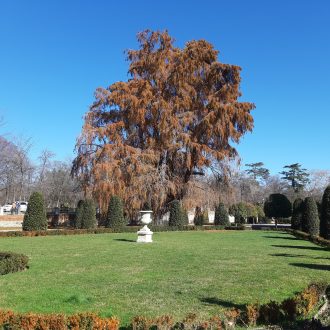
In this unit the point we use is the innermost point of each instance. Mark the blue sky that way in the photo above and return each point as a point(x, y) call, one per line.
point(54, 54)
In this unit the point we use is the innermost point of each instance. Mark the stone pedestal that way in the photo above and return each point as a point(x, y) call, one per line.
point(144, 235)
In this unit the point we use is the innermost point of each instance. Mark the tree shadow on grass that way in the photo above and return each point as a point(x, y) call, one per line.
point(220, 302)
point(311, 266)
point(281, 237)
point(124, 240)
point(289, 255)
point(302, 247)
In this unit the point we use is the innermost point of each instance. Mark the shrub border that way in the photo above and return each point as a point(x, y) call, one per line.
point(128, 229)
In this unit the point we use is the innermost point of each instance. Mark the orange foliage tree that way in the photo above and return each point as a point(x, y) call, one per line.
point(144, 139)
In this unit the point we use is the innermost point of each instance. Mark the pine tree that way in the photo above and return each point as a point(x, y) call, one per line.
point(86, 215)
point(35, 215)
point(311, 221)
point(297, 214)
point(325, 214)
point(200, 217)
point(297, 176)
point(115, 215)
point(221, 217)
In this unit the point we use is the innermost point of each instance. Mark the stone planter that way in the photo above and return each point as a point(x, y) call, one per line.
point(145, 234)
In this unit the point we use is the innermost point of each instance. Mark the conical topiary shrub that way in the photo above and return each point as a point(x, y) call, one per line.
point(115, 215)
point(200, 217)
point(35, 215)
point(221, 217)
point(297, 214)
point(176, 215)
point(86, 215)
point(311, 221)
point(325, 214)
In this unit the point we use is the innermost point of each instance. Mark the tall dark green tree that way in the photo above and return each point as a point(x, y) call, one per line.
point(325, 214)
point(296, 176)
point(221, 215)
point(115, 215)
point(311, 221)
point(277, 206)
point(297, 214)
point(178, 218)
point(35, 215)
point(86, 215)
point(257, 171)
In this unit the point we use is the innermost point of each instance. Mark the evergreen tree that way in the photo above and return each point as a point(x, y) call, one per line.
point(297, 176)
point(184, 217)
point(297, 214)
point(35, 215)
point(221, 215)
point(115, 215)
point(176, 215)
point(311, 221)
point(325, 214)
point(86, 215)
point(239, 212)
point(257, 171)
point(277, 206)
point(200, 217)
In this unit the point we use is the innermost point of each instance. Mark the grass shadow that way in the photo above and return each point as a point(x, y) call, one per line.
point(220, 302)
point(125, 240)
point(302, 247)
point(311, 266)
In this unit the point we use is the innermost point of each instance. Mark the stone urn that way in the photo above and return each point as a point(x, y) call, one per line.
point(145, 234)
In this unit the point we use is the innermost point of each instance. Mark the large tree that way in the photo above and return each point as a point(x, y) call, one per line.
point(176, 115)
point(296, 176)
point(257, 171)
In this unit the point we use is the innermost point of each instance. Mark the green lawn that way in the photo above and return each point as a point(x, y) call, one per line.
point(180, 272)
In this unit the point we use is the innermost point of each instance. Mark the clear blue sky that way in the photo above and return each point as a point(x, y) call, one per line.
point(54, 54)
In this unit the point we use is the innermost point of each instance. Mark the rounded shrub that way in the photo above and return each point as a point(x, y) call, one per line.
point(35, 215)
point(325, 214)
point(221, 217)
point(311, 221)
point(12, 262)
point(115, 215)
point(297, 214)
point(277, 206)
point(86, 215)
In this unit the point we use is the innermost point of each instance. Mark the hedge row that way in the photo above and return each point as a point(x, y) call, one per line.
point(315, 239)
point(30, 321)
point(12, 262)
point(127, 229)
point(272, 313)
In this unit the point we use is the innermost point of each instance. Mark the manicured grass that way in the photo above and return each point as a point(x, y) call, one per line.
point(181, 272)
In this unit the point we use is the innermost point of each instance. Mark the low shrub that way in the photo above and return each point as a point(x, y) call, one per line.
point(12, 262)
point(31, 321)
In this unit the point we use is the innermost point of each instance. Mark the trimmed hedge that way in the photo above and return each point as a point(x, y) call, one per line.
point(310, 219)
point(115, 215)
point(315, 239)
point(31, 321)
point(12, 262)
point(221, 215)
point(325, 214)
point(35, 216)
point(127, 229)
point(86, 215)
